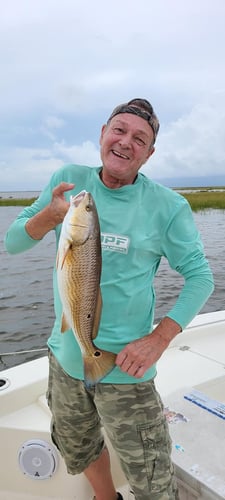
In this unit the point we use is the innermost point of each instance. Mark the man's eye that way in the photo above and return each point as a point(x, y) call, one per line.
point(140, 141)
point(118, 130)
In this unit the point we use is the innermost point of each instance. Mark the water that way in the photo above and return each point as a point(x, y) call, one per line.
point(19, 194)
point(26, 299)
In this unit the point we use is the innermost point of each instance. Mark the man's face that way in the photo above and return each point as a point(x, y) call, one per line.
point(125, 146)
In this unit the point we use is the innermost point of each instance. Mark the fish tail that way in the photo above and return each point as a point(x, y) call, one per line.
point(97, 366)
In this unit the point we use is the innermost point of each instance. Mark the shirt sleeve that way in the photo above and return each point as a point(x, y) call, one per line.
point(17, 238)
point(183, 248)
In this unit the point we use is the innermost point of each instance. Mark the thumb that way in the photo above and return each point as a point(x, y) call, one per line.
point(63, 187)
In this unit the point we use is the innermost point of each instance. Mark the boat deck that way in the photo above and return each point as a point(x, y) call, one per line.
point(194, 361)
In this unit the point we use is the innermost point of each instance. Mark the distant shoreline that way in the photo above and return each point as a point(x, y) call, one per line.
point(14, 202)
point(199, 198)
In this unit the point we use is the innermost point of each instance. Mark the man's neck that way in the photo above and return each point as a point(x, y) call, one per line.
point(113, 182)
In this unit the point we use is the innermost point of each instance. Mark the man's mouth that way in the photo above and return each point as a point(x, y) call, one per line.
point(120, 155)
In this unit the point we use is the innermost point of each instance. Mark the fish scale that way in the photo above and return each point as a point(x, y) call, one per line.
point(82, 297)
point(79, 273)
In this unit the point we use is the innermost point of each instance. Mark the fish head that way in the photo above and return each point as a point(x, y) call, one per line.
point(82, 218)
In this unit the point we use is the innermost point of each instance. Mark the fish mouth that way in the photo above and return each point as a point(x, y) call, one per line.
point(77, 225)
point(76, 200)
point(120, 155)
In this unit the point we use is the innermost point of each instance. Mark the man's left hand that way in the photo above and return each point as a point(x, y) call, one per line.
point(141, 354)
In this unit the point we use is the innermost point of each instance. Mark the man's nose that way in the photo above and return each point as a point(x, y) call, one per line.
point(125, 141)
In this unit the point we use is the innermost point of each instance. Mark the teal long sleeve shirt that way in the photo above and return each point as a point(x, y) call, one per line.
point(140, 224)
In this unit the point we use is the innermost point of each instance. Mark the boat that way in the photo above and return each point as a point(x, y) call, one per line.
point(191, 381)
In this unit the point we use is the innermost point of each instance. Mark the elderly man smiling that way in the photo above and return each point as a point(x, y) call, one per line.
point(141, 222)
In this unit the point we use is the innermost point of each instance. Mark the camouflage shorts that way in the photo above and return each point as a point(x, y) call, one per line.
point(132, 416)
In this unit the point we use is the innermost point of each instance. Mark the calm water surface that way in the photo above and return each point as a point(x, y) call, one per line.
point(26, 300)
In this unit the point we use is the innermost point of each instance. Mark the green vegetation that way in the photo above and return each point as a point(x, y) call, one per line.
point(14, 202)
point(202, 200)
point(199, 198)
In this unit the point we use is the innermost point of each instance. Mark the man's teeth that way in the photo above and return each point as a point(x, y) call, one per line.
point(120, 155)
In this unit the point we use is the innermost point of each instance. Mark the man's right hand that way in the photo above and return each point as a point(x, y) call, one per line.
point(52, 215)
point(59, 206)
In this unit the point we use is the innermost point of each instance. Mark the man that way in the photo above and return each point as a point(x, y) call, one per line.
point(140, 221)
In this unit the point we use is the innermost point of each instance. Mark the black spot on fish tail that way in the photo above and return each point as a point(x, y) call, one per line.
point(97, 366)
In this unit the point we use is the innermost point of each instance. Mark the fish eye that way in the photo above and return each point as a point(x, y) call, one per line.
point(97, 353)
point(88, 208)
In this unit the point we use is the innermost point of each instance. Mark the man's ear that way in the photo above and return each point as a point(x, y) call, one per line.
point(150, 153)
point(102, 133)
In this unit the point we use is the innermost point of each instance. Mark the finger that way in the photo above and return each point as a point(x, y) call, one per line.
point(62, 187)
point(126, 365)
point(135, 370)
point(68, 186)
point(140, 372)
point(120, 358)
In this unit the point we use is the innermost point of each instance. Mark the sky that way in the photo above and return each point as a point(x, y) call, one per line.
point(65, 64)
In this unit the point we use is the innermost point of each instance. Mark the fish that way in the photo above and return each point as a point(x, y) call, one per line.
point(78, 265)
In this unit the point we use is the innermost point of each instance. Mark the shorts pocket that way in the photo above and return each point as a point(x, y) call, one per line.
point(157, 450)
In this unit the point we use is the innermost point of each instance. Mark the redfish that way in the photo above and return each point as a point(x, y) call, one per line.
point(79, 273)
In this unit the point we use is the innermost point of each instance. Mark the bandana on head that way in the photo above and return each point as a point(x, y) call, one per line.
point(139, 107)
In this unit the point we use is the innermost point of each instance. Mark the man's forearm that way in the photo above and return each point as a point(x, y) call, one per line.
point(167, 329)
point(41, 223)
point(52, 215)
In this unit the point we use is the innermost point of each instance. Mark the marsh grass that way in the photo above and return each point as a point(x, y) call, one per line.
point(199, 198)
point(202, 200)
point(14, 202)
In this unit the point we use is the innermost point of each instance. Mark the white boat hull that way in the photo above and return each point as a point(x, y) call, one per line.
point(195, 360)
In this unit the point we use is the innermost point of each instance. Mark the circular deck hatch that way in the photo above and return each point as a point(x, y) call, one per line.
point(4, 383)
point(37, 459)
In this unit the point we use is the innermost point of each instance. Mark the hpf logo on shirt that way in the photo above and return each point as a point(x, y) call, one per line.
point(115, 242)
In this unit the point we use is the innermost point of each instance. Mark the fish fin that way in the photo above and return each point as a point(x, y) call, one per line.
point(97, 317)
point(57, 260)
point(64, 324)
point(97, 366)
point(64, 252)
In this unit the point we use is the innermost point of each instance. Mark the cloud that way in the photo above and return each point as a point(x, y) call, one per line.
point(50, 124)
point(31, 168)
point(193, 145)
point(28, 169)
point(65, 65)
point(62, 55)
point(53, 122)
point(84, 154)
